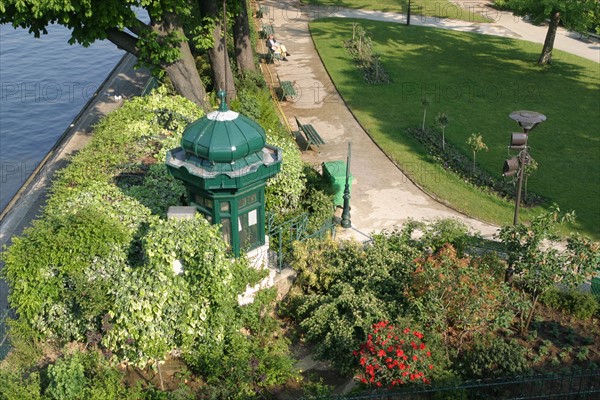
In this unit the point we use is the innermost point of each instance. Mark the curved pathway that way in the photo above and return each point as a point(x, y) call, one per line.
point(382, 196)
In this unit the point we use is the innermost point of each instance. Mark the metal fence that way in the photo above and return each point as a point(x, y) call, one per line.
point(4, 342)
point(580, 385)
point(284, 233)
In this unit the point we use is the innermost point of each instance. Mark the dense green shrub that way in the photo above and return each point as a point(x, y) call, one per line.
point(284, 190)
point(338, 321)
point(346, 287)
point(158, 191)
point(440, 232)
point(18, 385)
point(256, 359)
point(66, 379)
point(320, 263)
point(157, 309)
point(55, 272)
point(492, 356)
point(581, 305)
point(76, 375)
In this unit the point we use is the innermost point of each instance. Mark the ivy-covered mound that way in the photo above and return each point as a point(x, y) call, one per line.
point(103, 266)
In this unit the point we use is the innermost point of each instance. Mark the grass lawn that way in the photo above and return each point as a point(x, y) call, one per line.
point(430, 8)
point(477, 80)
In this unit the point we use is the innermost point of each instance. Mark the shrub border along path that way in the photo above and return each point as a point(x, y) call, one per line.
point(382, 196)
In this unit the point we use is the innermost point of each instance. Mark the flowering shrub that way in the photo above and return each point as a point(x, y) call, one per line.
point(393, 356)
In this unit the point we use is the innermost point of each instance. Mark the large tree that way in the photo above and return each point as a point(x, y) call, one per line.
point(160, 43)
point(212, 20)
point(577, 15)
point(241, 38)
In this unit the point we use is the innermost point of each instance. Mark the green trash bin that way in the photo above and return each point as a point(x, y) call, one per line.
point(335, 172)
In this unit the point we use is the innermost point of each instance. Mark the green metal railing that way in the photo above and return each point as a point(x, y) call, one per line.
point(151, 84)
point(285, 233)
point(581, 385)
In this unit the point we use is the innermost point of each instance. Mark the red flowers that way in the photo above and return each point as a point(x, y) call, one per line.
point(392, 356)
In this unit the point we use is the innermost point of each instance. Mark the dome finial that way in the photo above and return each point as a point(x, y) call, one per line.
point(223, 105)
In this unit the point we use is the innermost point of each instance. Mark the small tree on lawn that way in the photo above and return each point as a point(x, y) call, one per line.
point(539, 265)
point(442, 120)
point(425, 104)
point(475, 142)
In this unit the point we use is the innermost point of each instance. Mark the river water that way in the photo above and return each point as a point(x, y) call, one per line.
point(44, 83)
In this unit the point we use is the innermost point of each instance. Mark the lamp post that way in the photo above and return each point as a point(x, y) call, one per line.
point(346, 223)
point(527, 120)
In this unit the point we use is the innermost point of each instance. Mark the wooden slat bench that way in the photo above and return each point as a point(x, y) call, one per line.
point(287, 88)
point(311, 134)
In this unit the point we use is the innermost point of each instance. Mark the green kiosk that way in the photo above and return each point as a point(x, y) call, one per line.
point(224, 162)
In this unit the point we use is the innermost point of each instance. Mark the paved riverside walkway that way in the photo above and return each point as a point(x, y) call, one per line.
point(382, 195)
point(26, 205)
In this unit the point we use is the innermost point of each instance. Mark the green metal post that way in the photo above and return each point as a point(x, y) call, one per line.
point(522, 160)
point(346, 223)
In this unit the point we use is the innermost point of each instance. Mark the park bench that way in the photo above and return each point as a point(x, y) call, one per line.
point(311, 134)
point(271, 56)
point(287, 88)
point(262, 10)
point(267, 30)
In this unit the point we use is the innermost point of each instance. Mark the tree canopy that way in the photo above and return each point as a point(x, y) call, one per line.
point(160, 43)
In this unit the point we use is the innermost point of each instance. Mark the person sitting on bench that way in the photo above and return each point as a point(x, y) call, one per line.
point(277, 47)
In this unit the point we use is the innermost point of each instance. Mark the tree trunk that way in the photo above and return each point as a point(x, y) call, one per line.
point(185, 79)
point(183, 73)
point(525, 328)
point(241, 39)
point(219, 60)
point(546, 56)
